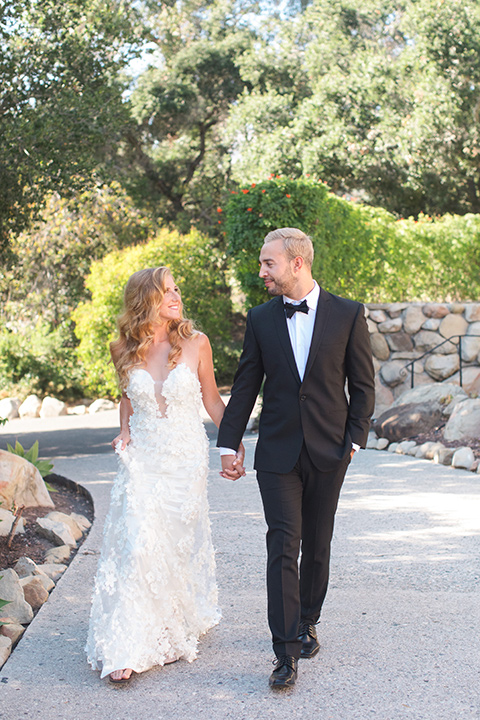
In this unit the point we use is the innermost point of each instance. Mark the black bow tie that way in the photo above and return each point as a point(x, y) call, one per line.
point(291, 309)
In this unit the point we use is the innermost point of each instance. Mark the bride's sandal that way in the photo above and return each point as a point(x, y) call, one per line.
point(121, 680)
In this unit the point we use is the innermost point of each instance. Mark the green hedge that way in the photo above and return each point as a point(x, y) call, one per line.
point(39, 360)
point(198, 267)
point(361, 252)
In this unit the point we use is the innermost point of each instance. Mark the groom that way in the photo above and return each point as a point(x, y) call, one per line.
point(307, 344)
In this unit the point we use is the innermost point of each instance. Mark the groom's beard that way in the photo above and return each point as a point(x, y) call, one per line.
point(283, 285)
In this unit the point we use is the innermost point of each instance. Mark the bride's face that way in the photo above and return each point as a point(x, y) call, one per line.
point(171, 307)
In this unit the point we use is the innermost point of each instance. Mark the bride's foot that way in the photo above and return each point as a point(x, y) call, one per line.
point(121, 676)
point(169, 660)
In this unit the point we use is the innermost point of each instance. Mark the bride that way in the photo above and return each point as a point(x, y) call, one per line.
point(155, 591)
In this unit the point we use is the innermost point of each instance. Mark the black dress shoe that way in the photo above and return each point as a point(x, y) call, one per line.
point(285, 673)
point(308, 637)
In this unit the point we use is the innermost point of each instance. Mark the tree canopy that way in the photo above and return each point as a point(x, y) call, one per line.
point(60, 97)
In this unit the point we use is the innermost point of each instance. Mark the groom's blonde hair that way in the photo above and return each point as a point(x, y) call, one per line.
point(295, 243)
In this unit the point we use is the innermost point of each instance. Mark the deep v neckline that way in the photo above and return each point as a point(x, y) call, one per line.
point(156, 382)
point(158, 387)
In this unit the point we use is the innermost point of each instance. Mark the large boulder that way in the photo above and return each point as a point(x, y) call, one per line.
point(380, 347)
point(418, 410)
point(5, 649)
point(406, 421)
point(400, 342)
point(34, 591)
point(470, 380)
point(472, 312)
point(68, 520)
point(452, 325)
point(414, 319)
point(52, 407)
point(10, 589)
point(463, 458)
point(53, 570)
point(12, 630)
point(30, 407)
point(435, 310)
point(21, 483)
point(59, 554)
point(440, 394)
point(470, 348)
point(441, 367)
point(7, 519)
point(56, 531)
point(25, 567)
point(383, 398)
point(464, 421)
point(101, 405)
point(391, 326)
point(394, 373)
point(9, 408)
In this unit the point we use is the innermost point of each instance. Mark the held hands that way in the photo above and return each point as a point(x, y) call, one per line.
point(232, 465)
point(123, 438)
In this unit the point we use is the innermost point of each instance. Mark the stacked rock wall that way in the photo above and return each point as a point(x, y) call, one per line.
point(401, 332)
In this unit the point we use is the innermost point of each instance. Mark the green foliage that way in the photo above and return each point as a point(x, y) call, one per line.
point(44, 467)
point(179, 105)
point(61, 97)
point(444, 256)
point(39, 360)
point(198, 267)
point(382, 100)
point(360, 251)
point(46, 277)
point(352, 242)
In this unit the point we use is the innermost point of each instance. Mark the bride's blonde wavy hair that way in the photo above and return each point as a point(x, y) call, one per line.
point(143, 296)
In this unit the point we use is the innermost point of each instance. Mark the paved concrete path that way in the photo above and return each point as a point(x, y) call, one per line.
point(399, 631)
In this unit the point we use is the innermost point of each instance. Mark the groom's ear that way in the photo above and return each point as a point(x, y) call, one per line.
point(298, 263)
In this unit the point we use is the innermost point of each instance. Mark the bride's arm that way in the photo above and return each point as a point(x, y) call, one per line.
point(214, 404)
point(126, 411)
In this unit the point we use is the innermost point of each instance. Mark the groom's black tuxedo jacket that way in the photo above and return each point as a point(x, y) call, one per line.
point(316, 410)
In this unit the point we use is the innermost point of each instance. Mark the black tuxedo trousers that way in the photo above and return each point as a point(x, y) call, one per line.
point(299, 510)
point(306, 431)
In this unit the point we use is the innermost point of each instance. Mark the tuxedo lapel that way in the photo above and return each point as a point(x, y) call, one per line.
point(321, 320)
point(282, 330)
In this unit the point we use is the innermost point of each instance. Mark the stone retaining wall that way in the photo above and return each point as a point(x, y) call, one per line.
point(400, 332)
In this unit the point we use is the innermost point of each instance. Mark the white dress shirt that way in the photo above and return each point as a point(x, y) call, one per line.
point(300, 328)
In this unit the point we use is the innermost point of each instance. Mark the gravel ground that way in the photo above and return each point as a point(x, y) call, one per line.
point(399, 631)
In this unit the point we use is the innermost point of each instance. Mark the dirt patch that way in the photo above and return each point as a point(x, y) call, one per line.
point(68, 497)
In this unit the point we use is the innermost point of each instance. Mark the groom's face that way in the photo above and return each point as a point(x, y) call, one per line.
point(276, 270)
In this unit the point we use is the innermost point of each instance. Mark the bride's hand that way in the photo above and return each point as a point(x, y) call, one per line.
point(239, 460)
point(123, 438)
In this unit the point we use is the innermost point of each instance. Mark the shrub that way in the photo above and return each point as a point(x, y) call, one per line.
point(39, 361)
point(198, 267)
point(352, 242)
point(360, 251)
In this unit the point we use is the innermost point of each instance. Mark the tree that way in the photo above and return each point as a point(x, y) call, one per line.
point(391, 108)
point(180, 104)
point(61, 98)
point(52, 258)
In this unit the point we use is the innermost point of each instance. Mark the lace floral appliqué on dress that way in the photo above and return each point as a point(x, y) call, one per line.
point(155, 591)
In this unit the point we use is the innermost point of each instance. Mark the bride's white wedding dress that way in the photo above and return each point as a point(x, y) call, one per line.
point(155, 591)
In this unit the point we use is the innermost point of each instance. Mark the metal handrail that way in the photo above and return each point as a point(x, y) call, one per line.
point(403, 371)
